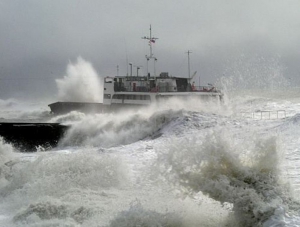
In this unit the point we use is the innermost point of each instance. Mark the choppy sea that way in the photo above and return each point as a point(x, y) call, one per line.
point(187, 164)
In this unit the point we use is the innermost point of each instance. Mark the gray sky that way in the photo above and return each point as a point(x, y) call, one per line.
point(38, 38)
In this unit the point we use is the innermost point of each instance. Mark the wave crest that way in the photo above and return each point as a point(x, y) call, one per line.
point(107, 130)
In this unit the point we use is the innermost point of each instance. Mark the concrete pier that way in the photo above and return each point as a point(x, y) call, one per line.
point(27, 137)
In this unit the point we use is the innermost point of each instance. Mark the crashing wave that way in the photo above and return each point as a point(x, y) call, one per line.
point(227, 172)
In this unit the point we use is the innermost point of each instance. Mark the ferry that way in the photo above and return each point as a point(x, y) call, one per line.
point(126, 92)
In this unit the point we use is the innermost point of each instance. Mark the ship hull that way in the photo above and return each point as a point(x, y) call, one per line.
point(84, 107)
point(66, 107)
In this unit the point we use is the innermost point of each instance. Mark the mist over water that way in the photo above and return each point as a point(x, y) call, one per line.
point(254, 74)
point(80, 84)
point(12, 110)
point(257, 83)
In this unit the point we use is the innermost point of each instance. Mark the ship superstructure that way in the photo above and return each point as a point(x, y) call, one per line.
point(133, 91)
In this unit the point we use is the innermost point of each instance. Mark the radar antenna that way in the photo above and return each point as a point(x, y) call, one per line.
point(151, 41)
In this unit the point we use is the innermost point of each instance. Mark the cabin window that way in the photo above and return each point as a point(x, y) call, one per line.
point(107, 96)
point(132, 97)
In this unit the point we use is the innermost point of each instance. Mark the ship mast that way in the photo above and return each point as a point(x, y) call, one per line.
point(151, 41)
point(189, 66)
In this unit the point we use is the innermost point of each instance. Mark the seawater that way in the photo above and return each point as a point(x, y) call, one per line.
point(181, 164)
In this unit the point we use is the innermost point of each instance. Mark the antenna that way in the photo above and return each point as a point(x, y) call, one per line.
point(127, 63)
point(151, 40)
point(189, 52)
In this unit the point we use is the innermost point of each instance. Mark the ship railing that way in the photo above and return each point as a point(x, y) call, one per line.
point(132, 88)
point(204, 88)
point(265, 114)
point(166, 88)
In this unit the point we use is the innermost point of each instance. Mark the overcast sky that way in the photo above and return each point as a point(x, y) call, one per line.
point(38, 38)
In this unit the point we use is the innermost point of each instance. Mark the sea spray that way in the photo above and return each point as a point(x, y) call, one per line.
point(7, 158)
point(226, 171)
point(254, 74)
point(86, 169)
point(6, 152)
point(173, 212)
point(80, 84)
point(53, 212)
point(22, 110)
point(69, 118)
point(195, 104)
point(251, 78)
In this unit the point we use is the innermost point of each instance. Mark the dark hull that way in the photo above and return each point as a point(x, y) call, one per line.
point(29, 136)
point(66, 107)
point(86, 107)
